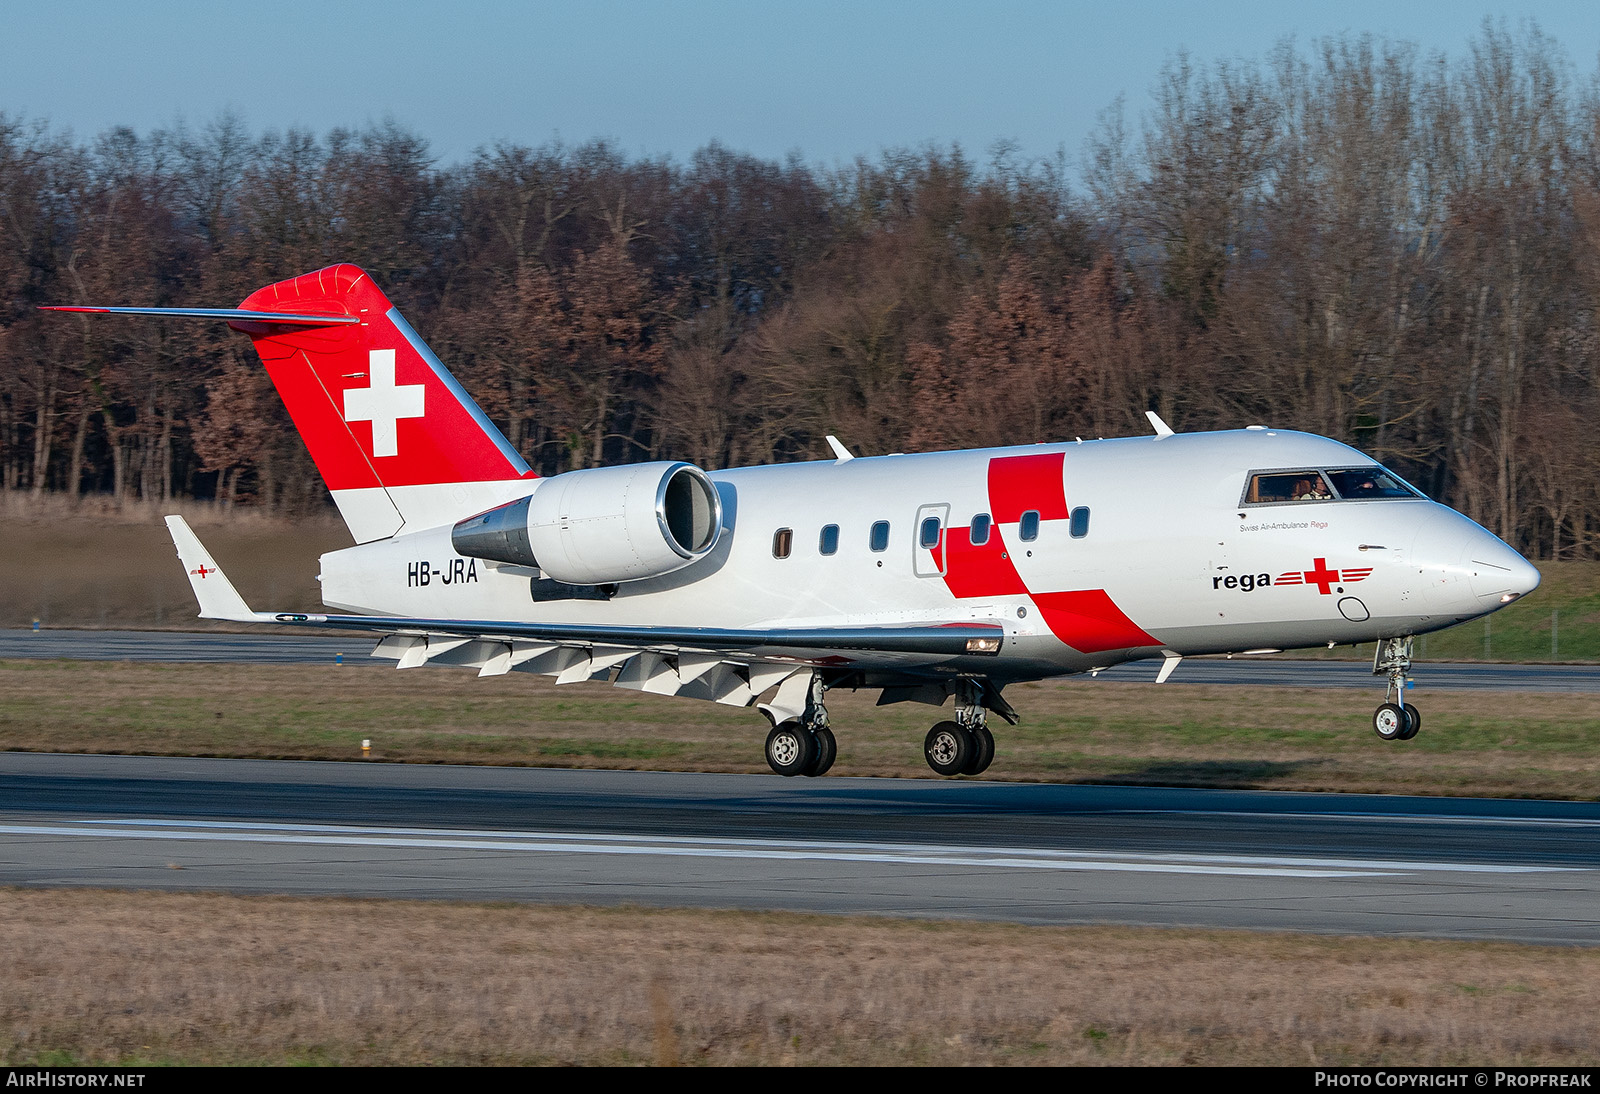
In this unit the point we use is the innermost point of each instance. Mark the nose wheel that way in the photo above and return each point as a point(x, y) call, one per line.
point(1395, 720)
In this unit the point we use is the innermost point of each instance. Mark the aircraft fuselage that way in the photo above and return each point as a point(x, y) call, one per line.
point(1166, 553)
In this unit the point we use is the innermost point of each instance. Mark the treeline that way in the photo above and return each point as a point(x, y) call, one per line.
point(1399, 251)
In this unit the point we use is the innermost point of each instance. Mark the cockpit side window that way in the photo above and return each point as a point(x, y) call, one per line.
point(1276, 487)
point(1341, 484)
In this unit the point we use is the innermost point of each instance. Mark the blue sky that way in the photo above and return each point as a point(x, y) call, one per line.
point(829, 80)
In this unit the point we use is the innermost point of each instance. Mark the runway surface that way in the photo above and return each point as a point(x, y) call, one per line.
point(1027, 853)
point(269, 648)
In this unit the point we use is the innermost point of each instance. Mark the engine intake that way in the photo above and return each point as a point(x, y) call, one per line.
point(602, 525)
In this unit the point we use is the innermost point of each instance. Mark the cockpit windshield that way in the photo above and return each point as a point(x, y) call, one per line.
point(1369, 482)
point(1317, 484)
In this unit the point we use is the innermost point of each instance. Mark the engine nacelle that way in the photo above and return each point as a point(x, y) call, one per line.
point(602, 525)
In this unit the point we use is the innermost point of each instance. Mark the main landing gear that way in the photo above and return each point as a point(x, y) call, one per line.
point(801, 742)
point(803, 745)
point(794, 748)
point(1396, 719)
point(964, 746)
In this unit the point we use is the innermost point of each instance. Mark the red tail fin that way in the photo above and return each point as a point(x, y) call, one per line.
point(398, 440)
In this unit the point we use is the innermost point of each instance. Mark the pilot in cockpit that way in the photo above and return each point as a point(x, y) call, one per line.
point(1312, 489)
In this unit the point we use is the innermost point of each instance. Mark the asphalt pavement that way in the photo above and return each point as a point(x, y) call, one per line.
point(1029, 853)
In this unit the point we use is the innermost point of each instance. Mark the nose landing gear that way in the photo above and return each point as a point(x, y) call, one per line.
point(1395, 720)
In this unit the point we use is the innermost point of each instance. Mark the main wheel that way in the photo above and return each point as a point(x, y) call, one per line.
point(791, 748)
point(948, 748)
point(1413, 722)
point(982, 751)
point(1390, 722)
point(827, 751)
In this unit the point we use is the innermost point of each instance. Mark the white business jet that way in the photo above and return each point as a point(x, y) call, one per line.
point(931, 577)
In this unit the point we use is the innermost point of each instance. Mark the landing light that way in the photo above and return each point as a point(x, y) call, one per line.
point(983, 645)
point(1509, 597)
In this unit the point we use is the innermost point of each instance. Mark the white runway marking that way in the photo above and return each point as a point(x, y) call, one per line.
point(1390, 818)
point(1024, 858)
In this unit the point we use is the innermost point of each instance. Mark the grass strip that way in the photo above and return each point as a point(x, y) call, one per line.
point(1080, 730)
point(137, 978)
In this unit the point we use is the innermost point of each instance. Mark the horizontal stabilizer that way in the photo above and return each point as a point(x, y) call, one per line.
point(234, 315)
point(216, 594)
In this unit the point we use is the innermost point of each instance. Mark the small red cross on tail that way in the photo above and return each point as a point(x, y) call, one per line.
point(203, 571)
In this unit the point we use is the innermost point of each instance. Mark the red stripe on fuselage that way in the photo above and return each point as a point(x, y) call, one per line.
point(975, 571)
point(1088, 621)
point(1085, 619)
point(1020, 483)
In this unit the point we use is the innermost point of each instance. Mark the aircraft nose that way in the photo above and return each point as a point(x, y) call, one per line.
point(1499, 574)
point(1464, 569)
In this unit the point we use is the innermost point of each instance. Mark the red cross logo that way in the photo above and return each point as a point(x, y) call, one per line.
point(202, 571)
point(1322, 577)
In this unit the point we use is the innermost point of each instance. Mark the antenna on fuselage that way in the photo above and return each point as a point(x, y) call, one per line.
point(840, 452)
point(1162, 428)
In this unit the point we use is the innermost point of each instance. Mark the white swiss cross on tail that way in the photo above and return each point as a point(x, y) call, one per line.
point(382, 403)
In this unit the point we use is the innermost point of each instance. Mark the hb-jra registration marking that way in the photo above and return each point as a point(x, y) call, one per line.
point(453, 571)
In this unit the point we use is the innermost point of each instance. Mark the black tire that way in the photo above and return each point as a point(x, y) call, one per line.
point(827, 751)
point(948, 748)
point(791, 748)
point(1389, 722)
point(1413, 722)
point(982, 751)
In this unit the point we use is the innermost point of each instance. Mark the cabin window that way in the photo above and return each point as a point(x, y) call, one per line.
point(1028, 527)
point(1080, 522)
point(782, 542)
point(828, 542)
point(929, 537)
point(880, 536)
point(980, 530)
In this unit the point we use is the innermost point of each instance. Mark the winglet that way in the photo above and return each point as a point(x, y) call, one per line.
point(1162, 428)
point(216, 594)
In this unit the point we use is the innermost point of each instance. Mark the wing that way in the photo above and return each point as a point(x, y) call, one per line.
point(724, 665)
